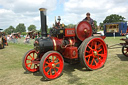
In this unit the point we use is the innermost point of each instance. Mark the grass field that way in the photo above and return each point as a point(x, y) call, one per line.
point(115, 71)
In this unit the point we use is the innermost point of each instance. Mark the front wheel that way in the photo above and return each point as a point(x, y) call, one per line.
point(51, 65)
point(125, 51)
point(28, 60)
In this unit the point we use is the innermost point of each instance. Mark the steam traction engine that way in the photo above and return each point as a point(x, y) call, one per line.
point(72, 45)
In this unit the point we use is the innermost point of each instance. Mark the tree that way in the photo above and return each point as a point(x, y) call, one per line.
point(9, 30)
point(114, 18)
point(70, 25)
point(20, 28)
point(101, 25)
point(31, 27)
point(95, 23)
point(23, 33)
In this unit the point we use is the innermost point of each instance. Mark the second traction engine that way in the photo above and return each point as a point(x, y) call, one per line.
point(72, 45)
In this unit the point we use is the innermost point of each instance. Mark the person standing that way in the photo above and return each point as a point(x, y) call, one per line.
point(90, 20)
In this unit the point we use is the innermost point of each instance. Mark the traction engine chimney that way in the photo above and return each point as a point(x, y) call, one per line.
point(43, 22)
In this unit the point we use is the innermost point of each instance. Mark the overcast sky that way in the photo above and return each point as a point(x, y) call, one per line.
point(13, 12)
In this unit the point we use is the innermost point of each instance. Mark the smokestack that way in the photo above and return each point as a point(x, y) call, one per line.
point(43, 22)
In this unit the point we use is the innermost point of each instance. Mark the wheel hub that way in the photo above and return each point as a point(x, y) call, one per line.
point(53, 65)
point(95, 53)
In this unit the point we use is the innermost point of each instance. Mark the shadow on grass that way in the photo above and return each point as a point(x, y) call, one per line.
point(68, 69)
point(122, 57)
point(113, 47)
point(26, 72)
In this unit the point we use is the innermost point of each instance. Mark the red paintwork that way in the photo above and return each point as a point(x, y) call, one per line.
point(28, 61)
point(57, 43)
point(6, 43)
point(81, 34)
point(127, 29)
point(103, 37)
point(69, 32)
point(48, 69)
point(71, 53)
point(95, 45)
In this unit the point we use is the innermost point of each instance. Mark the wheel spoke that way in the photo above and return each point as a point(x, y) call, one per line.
point(102, 55)
point(55, 70)
point(89, 47)
point(99, 50)
point(34, 66)
point(125, 49)
point(88, 59)
point(29, 59)
point(99, 45)
point(95, 62)
point(31, 56)
point(57, 63)
point(46, 66)
point(87, 51)
point(57, 67)
point(92, 61)
point(99, 59)
point(29, 63)
point(53, 58)
point(47, 62)
point(95, 45)
point(88, 55)
point(48, 70)
point(126, 52)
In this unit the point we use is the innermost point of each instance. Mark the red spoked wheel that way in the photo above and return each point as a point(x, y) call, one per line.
point(93, 53)
point(51, 65)
point(125, 51)
point(30, 62)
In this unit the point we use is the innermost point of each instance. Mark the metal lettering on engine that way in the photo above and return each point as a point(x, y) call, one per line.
point(70, 32)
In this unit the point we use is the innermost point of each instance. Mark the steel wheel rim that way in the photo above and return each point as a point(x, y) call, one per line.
point(53, 65)
point(31, 56)
point(125, 51)
point(95, 53)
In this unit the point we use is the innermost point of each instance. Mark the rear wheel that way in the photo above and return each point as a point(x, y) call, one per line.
point(125, 51)
point(51, 65)
point(93, 53)
point(28, 60)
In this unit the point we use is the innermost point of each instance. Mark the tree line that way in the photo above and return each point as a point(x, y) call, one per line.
point(112, 19)
point(22, 28)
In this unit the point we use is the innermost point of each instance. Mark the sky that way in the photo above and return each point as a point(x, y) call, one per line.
point(13, 12)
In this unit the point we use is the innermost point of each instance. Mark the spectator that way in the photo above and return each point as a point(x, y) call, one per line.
point(27, 38)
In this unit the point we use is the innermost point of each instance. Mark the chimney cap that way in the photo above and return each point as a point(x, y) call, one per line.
point(42, 9)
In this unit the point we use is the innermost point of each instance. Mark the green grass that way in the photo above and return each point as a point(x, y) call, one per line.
point(115, 71)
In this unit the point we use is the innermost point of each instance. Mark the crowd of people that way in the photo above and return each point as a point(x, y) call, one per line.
point(13, 38)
